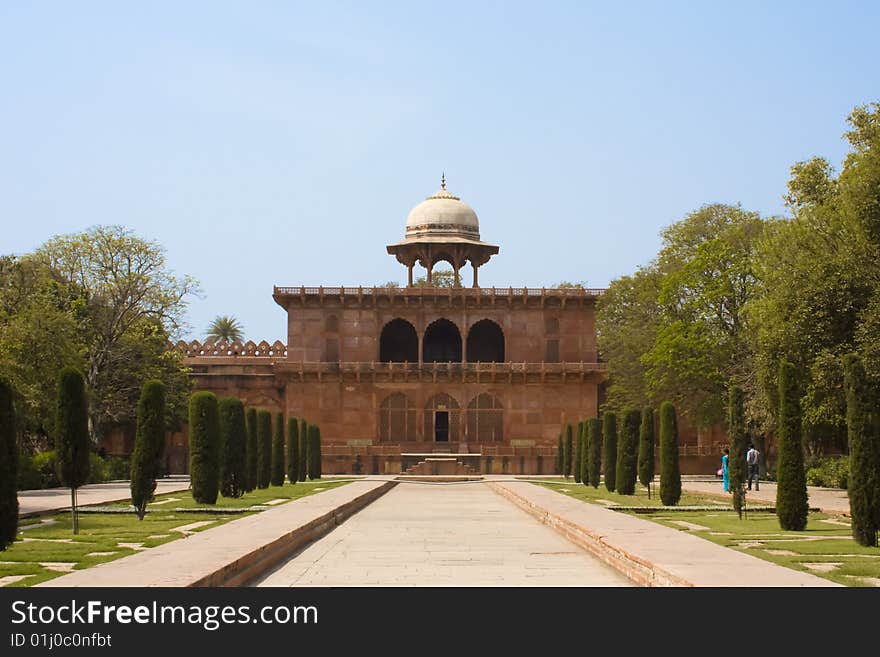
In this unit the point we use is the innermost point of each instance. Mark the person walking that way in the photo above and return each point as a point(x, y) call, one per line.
point(752, 458)
point(725, 473)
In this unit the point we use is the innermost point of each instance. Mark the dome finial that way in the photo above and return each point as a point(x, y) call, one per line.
point(443, 180)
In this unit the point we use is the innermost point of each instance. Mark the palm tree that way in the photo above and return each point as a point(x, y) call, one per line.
point(225, 329)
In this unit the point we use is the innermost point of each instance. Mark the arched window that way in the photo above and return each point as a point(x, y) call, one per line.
point(485, 342)
point(397, 419)
point(485, 419)
point(398, 342)
point(442, 343)
point(442, 419)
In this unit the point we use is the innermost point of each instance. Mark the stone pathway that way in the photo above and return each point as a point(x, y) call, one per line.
point(33, 502)
point(423, 535)
point(829, 500)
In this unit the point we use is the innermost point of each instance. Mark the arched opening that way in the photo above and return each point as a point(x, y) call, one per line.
point(442, 419)
point(397, 419)
point(485, 342)
point(485, 419)
point(442, 343)
point(398, 342)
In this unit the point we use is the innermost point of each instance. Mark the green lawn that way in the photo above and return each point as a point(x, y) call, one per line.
point(590, 494)
point(46, 547)
point(825, 548)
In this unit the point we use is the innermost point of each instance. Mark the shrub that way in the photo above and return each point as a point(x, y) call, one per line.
point(863, 433)
point(594, 456)
point(72, 435)
point(97, 469)
point(29, 477)
point(46, 464)
point(233, 447)
point(791, 482)
point(277, 475)
point(670, 473)
point(828, 472)
point(578, 452)
point(626, 453)
point(204, 447)
point(148, 444)
point(292, 450)
point(566, 452)
point(8, 468)
point(119, 468)
point(736, 464)
point(609, 443)
point(646, 449)
point(251, 450)
point(264, 448)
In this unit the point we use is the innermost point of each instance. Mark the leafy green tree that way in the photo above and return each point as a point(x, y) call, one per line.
point(626, 453)
point(670, 473)
point(233, 447)
point(863, 424)
point(225, 328)
point(250, 453)
point(303, 449)
point(264, 448)
point(204, 447)
point(646, 449)
point(72, 435)
point(292, 450)
point(439, 278)
point(566, 451)
point(8, 468)
point(149, 443)
point(277, 475)
point(791, 482)
point(578, 451)
point(736, 431)
point(609, 443)
point(594, 457)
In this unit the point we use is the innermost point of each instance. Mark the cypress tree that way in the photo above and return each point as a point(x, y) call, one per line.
point(594, 452)
point(292, 449)
point(609, 440)
point(149, 441)
point(8, 468)
point(670, 474)
point(559, 454)
point(739, 440)
point(626, 452)
point(233, 447)
point(578, 452)
point(566, 452)
point(204, 447)
point(863, 434)
point(314, 452)
point(303, 450)
point(791, 481)
point(264, 448)
point(250, 467)
point(646, 449)
point(72, 435)
point(277, 478)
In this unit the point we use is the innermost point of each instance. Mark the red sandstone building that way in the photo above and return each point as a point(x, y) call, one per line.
point(424, 378)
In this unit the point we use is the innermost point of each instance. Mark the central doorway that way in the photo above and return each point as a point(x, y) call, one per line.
point(441, 426)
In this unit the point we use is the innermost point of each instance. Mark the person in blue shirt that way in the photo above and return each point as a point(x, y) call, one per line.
point(725, 474)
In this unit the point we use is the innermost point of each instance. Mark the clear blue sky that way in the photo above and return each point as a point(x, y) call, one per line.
point(284, 143)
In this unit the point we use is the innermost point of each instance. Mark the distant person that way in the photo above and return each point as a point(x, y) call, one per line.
point(752, 458)
point(725, 473)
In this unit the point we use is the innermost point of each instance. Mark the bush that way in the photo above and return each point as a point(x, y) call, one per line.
point(29, 477)
point(791, 481)
point(609, 443)
point(264, 448)
point(277, 465)
point(594, 444)
point(626, 453)
point(670, 472)
point(292, 449)
point(148, 445)
point(97, 469)
point(8, 468)
point(46, 464)
point(251, 451)
point(828, 472)
point(233, 447)
point(119, 468)
point(204, 447)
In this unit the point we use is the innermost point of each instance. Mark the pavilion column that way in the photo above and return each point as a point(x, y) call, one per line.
point(409, 268)
point(429, 278)
point(456, 281)
point(474, 265)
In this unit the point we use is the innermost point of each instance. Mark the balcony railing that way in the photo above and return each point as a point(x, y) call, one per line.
point(576, 292)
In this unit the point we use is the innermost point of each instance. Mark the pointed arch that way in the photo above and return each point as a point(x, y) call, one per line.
point(397, 419)
point(442, 343)
point(485, 342)
point(485, 419)
point(398, 342)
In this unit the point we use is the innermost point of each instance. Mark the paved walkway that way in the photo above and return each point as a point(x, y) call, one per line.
point(443, 535)
point(34, 502)
point(829, 500)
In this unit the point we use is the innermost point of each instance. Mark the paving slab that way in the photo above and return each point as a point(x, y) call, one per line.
point(827, 500)
point(443, 535)
point(234, 552)
point(647, 552)
point(47, 500)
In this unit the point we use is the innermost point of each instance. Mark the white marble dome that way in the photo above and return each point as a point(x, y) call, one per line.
point(442, 213)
